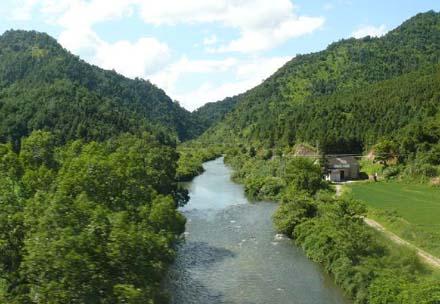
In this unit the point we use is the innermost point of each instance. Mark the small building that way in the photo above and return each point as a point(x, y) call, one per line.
point(341, 168)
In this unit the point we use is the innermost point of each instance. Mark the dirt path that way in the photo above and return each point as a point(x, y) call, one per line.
point(428, 258)
point(338, 189)
point(425, 256)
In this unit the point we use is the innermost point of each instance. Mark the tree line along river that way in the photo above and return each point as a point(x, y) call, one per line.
point(231, 253)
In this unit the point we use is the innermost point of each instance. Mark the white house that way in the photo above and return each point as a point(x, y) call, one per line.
point(341, 168)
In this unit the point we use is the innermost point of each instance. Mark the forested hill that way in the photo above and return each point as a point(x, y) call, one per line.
point(317, 95)
point(212, 112)
point(43, 86)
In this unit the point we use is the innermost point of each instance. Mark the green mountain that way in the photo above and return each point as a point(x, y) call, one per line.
point(43, 86)
point(344, 97)
point(212, 112)
point(87, 164)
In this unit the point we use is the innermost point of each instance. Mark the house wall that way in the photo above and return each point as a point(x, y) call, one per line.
point(354, 171)
point(349, 173)
point(335, 176)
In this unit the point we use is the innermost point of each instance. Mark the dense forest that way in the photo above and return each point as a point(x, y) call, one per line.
point(89, 164)
point(88, 191)
point(346, 97)
point(87, 222)
point(213, 112)
point(43, 86)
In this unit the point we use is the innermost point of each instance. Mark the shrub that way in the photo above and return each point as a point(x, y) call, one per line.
point(391, 172)
point(304, 175)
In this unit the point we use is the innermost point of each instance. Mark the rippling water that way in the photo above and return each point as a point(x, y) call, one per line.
point(231, 253)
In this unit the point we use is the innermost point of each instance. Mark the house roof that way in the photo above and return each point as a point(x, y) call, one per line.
point(338, 162)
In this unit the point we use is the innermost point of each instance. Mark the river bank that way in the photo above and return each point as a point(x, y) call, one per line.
point(231, 253)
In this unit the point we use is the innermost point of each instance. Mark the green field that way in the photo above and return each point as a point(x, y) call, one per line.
point(412, 211)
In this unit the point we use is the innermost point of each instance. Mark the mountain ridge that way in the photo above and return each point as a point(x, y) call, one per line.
point(30, 60)
point(261, 113)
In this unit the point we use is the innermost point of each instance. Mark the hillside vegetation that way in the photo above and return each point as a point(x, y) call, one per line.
point(43, 86)
point(88, 192)
point(345, 97)
point(89, 164)
point(212, 112)
point(87, 222)
point(380, 95)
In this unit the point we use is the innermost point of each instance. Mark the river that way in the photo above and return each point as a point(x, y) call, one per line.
point(232, 255)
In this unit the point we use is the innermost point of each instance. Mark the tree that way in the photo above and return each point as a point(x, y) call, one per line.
point(384, 151)
point(303, 175)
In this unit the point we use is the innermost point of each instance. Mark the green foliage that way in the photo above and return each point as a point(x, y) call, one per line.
point(332, 233)
point(252, 152)
point(37, 150)
point(212, 112)
point(87, 222)
point(302, 174)
point(269, 178)
point(370, 167)
point(292, 212)
point(369, 268)
point(391, 172)
point(42, 86)
point(357, 95)
point(346, 97)
point(192, 157)
point(392, 288)
point(385, 150)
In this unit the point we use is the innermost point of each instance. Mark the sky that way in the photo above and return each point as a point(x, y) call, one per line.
point(202, 51)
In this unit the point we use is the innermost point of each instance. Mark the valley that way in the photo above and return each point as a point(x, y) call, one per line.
point(112, 192)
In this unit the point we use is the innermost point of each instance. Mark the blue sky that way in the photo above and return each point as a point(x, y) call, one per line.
point(203, 50)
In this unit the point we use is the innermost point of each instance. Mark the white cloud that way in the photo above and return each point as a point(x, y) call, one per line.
point(169, 76)
point(77, 17)
point(209, 91)
point(254, 40)
point(172, 12)
point(260, 68)
point(143, 57)
point(244, 74)
point(80, 40)
point(262, 24)
point(23, 9)
point(370, 30)
point(74, 12)
point(210, 40)
point(132, 59)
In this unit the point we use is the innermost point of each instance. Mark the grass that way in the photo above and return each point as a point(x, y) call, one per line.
point(410, 210)
point(400, 252)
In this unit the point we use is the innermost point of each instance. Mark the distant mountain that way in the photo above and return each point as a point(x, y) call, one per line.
point(212, 112)
point(43, 86)
point(331, 96)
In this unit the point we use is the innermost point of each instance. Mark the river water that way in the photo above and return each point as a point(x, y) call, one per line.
point(232, 255)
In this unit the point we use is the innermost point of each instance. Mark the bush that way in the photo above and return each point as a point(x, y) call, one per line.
point(391, 172)
point(292, 212)
point(421, 170)
point(272, 187)
point(252, 187)
point(368, 269)
point(304, 175)
point(370, 167)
